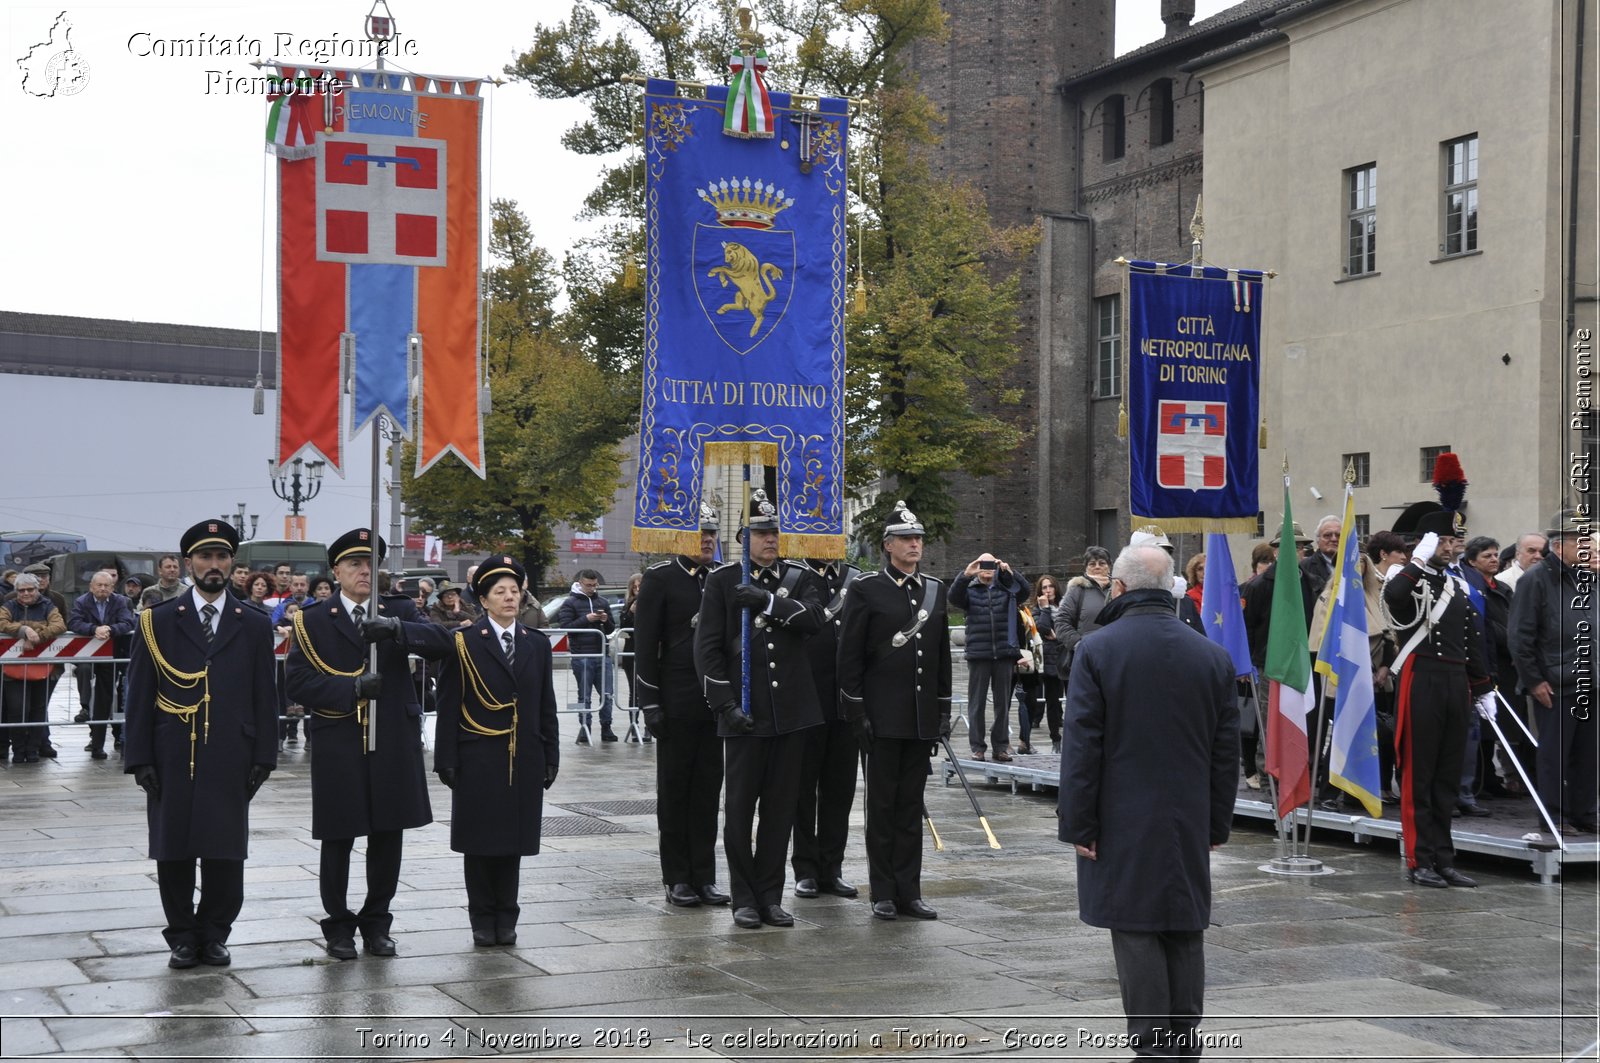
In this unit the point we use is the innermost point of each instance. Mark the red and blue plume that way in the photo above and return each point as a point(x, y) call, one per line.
point(1449, 481)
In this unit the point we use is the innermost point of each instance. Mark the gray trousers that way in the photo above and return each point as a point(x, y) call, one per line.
point(982, 677)
point(1163, 979)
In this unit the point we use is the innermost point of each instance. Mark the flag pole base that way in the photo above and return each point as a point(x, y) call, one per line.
point(1296, 866)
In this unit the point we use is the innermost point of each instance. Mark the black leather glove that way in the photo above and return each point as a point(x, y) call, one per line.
point(258, 775)
point(550, 775)
point(748, 596)
point(368, 686)
point(447, 776)
point(944, 727)
point(736, 721)
point(863, 732)
point(379, 628)
point(655, 721)
point(145, 775)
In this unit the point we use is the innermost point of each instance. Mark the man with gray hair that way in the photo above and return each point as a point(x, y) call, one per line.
point(1143, 815)
point(1530, 551)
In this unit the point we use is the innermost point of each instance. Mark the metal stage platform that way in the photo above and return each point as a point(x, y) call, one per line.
point(1500, 836)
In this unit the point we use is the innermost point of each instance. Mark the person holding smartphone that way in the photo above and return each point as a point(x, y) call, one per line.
point(990, 592)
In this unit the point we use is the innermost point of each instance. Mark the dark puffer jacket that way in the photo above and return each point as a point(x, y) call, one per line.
point(992, 622)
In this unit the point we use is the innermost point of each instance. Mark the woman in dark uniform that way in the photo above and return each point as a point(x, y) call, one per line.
point(497, 747)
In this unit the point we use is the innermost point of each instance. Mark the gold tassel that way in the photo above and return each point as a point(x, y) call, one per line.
point(1122, 421)
point(1263, 441)
point(861, 296)
point(630, 273)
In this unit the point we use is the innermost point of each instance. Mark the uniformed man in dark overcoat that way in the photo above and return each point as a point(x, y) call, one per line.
point(762, 750)
point(894, 681)
point(367, 775)
point(498, 747)
point(1442, 674)
point(201, 738)
point(828, 764)
point(688, 750)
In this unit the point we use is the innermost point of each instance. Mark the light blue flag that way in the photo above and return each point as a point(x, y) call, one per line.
point(1353, 762)
point(1220, 608)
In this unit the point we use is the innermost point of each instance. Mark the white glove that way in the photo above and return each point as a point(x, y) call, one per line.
point(1180, 586)
point(1486, 707)
point(1422, 553)
point(1389, 575)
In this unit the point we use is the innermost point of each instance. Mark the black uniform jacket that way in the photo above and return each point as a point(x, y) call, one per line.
point(1457, 636)
point(207, 816)
point(834, 577)
point(665, 616)
point(353, 792)
point(498, 799)
point(783, 696)
point(904, 690)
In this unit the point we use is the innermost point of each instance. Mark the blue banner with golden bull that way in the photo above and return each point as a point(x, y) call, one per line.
point(744, 316)
point(1194, 376)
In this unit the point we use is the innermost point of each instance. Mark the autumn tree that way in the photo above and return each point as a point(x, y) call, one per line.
point(930, 353)
point(550, 441)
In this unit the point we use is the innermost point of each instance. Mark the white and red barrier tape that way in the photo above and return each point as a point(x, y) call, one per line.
point(60, 648)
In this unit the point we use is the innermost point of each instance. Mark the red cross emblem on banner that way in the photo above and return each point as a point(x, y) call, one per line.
point(381, 199)
point(1192, 445)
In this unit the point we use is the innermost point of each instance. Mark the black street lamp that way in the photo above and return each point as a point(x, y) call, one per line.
point(238, 518)
point(286, 483)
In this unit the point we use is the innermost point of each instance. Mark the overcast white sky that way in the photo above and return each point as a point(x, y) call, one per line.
point(141, 198)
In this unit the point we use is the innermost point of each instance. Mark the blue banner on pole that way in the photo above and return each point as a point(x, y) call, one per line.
point(744, 316)
point(1194, 360)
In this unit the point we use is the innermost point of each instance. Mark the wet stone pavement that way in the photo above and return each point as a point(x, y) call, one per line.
point(1355, 965)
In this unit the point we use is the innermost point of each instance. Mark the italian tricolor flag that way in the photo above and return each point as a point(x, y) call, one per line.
point(749, 109)
point(1290, 695)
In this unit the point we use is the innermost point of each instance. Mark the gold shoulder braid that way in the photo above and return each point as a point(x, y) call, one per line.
point(302, 639)
point(473, 679)
point(180, 680)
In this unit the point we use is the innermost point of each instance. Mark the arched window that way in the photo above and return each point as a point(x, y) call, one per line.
point(1111, 128)
point(1160, 112)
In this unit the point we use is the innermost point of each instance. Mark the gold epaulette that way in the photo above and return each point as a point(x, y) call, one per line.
point(472, 679)
point(181, 680)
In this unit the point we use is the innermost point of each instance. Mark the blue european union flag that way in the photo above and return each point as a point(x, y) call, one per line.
point(1220, 607)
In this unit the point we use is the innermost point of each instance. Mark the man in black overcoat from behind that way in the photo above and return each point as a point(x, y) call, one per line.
point(201, 738)
point(367, 776)
point(1147, 790)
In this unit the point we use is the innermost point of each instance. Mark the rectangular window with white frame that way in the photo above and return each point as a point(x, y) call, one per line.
point(1460, 205)
point(1361, 220)
point(1108, 347)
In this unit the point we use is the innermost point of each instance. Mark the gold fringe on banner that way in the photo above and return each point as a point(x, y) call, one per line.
point(1199, 525)
point(741, 452)
point(794, 544)
point(666, 541)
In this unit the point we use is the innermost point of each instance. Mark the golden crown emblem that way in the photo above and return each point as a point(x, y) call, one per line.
point(746, 204)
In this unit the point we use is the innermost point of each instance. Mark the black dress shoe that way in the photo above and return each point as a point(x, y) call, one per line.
point(48, 752)
point(884, 910)
point(806, 887)
point(483, 938)
point(1427, 876)
point(840, 888)
point(183, 957)
point(608, 735)
point(343, 949)
point(917, 910)
point(378, 945)
point(1456, 878)
point(683, 895)
point(505, 936)
point(97, 754)
point(709, 894)
point(1476, 811)
point(215, 954)
point(748, 918)
point(774, 915)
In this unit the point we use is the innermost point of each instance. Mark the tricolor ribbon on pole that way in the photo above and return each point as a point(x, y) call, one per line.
point(749, 110)
point(378, 262)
